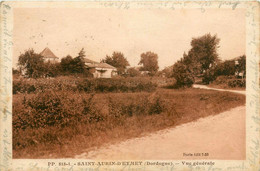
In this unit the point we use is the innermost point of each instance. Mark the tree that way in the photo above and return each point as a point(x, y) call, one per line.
point(32, 63)
point(75, 65)
point(167, 71)
point(242, 64)
point(79, 63)
point(133, 72)
point(149, 60)
point(204, 51)
point(117, 60)
point(52, 69)
point(183, 75)
point(226, 68)
point(66, 64)
point(82, 54)
point(202, 58)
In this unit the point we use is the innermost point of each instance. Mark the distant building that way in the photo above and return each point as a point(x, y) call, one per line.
point(100, 70)
point(49, 56)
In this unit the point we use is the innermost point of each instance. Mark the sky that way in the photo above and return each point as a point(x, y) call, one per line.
point(102, 31)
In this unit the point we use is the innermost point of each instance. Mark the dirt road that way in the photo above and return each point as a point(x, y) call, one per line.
point(221, 137)
point(210, 88)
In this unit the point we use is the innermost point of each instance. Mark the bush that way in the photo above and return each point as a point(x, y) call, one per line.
point(21, 87)
point(229, 82)
point(116, 85)
point(133, 72)
point(55, 123)
point(141, 105)
point(50, 109)
point(183, 76)
point(56, 111)
point(87, 85)
point(237, 83)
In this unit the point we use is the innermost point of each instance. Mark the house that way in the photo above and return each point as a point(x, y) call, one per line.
point(49, 56)
point(100, 70)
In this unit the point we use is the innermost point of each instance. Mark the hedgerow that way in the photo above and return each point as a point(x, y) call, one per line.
point(86, 85)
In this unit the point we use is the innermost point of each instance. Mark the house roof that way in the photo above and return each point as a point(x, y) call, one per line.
point(105, 65)
point(86, 60)
point(100, 65)
point(47, 53)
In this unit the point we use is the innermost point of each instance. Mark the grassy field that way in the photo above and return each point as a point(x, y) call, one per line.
point(57, 124)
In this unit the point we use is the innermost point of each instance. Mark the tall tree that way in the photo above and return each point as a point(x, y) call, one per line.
point(204, 51)
point(32, 63)
point(79, 63)
point(117, 60)
point(202, 58)
point(149, 60)
point(82, 54)
point(66, 64)
point(183, 73)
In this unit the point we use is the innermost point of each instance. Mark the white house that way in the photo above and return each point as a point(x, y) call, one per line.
point(100, 70)
point(49, 56)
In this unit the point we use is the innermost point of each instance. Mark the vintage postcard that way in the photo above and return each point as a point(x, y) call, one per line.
point(129, 85)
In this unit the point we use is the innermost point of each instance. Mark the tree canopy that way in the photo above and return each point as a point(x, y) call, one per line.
point(202, 58)
point(204, 51)
point(149, 60)
point(67, 64)
point(74, 65)
point(183, 74)
point(32, 63)
point(117, 60)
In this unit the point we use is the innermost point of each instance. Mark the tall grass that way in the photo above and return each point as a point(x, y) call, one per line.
point(55, 124)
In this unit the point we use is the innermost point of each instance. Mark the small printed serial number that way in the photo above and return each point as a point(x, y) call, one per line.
point(196, 154)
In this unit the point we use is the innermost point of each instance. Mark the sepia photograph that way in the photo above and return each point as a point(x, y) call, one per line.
point(121, 82)
point(90, 83)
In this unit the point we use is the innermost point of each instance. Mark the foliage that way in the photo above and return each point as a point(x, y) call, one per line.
point(55, 124)
point(242, 64)
point(133, 72)
point(67, 64)
point(149, 60)
point(61, 110)
point(167, 72)
point(88, 85)
point(32, 63)
point(237, 83)
point(204, 51)
point(15, 71)
point(223, 81)
point(115, 85)
point(202, 58)
point(52, 69)
point(117, 60)
point(225, 68)
point(231, 67)
point(78, 63)
point(183, 75)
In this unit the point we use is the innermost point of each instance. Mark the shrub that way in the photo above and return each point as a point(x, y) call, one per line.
point(133, 72)
point(21, 87)
point(183, 75)
point(115, 85)
point(237, 83)
point(229, 82)
point(50, 109)
point(86, 85)
point(141, 105)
